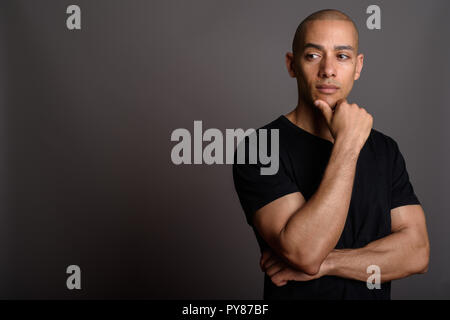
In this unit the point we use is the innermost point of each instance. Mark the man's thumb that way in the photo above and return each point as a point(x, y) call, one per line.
point(325, 108)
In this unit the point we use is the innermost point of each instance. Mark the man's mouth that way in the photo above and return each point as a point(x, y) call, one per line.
point(327, 88)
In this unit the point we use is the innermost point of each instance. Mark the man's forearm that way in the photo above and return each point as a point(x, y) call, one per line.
point(398, 255)
point(308, 236)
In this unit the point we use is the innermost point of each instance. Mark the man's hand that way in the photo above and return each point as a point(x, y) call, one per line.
point(347, 121)
point(280, 272)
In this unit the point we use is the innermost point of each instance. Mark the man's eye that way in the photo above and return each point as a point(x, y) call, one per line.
point(343, 56)
point(312, 56)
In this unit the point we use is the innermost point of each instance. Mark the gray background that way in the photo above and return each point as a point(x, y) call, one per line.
point(86, 118)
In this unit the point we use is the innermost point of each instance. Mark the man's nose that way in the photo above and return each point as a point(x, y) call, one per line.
point(327, 68)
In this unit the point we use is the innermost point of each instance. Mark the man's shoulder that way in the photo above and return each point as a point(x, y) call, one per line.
point(268, 127)
point(383, 142)
point(276, 123)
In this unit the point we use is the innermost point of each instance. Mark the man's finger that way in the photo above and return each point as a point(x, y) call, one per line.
point(269, 262)
point(282, 276)
point(280, 284)
point(339, 102)
point(275, 268)
point(265, 255)
point(325, 108)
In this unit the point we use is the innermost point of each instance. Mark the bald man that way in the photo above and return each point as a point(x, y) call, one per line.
point(341, 205)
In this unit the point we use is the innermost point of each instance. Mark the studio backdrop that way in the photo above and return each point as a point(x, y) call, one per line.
point(92, 91)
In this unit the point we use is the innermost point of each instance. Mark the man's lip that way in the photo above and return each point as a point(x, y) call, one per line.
point(327, 89)
point(326, 86)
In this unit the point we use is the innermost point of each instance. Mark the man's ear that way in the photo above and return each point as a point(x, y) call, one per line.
point(359, 65)
point(290, 64)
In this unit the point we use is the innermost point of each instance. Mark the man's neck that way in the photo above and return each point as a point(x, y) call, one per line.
point(309, 118)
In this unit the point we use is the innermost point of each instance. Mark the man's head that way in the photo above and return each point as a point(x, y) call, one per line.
point(325, 57)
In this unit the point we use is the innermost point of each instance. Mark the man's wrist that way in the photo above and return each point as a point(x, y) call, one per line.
point(329, 264)
point(347, 148)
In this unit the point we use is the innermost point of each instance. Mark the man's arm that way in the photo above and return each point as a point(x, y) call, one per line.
point(290, 221)
point(403, 253)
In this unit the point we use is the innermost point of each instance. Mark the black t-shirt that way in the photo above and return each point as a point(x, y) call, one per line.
point(381, 183)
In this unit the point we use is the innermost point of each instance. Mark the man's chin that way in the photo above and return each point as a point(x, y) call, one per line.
point(330, 102)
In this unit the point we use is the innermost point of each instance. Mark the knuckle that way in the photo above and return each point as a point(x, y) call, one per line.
point(276, 278)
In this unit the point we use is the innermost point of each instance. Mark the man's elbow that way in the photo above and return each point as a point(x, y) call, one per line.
point(310, 268)
point(307, 258)
point(424, 259)
point(421, 259)
point(304, 261)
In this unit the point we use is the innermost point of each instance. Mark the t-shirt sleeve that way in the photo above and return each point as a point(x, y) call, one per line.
point(402, 190)
point(256, 190)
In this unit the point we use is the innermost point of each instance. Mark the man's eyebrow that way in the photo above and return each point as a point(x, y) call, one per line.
point(319, 47)
point(313, 45)
point(344, 48)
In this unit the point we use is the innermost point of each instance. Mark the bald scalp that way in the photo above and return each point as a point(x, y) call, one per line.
point(326, 14)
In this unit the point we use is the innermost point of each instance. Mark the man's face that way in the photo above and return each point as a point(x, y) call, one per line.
point(326, 61)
